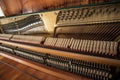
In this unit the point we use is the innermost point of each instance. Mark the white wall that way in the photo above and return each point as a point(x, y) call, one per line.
point(1, 12)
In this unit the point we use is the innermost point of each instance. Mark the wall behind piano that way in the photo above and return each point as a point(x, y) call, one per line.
point(15, 7)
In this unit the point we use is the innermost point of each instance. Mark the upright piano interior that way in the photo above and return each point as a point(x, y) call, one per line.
point(71, 44)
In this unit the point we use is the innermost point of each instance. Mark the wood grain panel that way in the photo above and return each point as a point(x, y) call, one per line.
point(27, 6)
point(28, 70)
point(13, 7)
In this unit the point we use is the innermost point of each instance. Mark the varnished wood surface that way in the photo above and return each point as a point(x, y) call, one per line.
point(49, 70)
point(101, 60)
point(27, 6)
point(11, 70)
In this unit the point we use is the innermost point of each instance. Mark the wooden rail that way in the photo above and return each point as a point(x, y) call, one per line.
point(101, 60)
